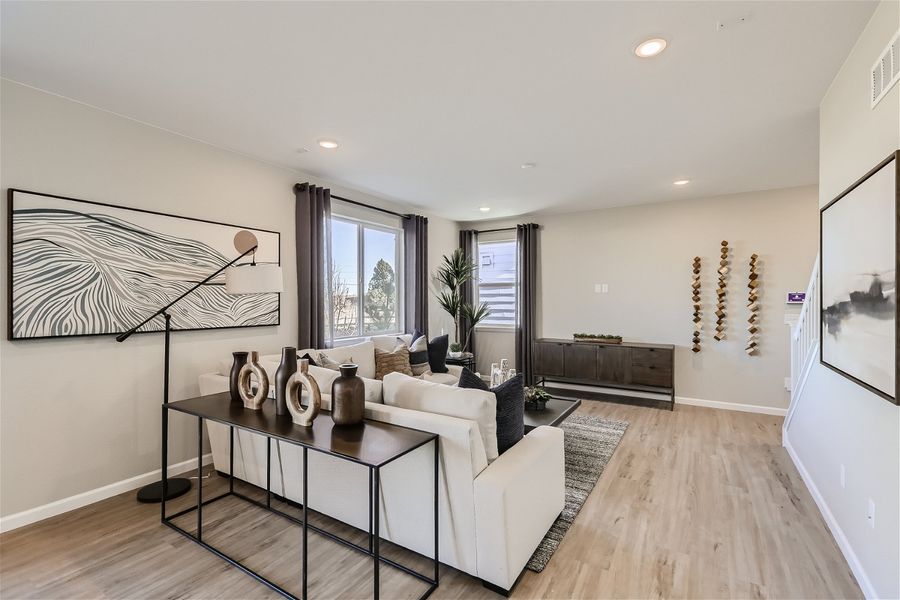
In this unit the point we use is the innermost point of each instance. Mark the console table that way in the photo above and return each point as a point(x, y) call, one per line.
point(627, 366)
point(371, 444)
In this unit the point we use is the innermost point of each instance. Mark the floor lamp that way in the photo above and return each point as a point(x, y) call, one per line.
point(249, 278)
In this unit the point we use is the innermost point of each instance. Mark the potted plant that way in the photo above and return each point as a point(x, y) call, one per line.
point(455, 350)
point(455, 271)
point(536, 398)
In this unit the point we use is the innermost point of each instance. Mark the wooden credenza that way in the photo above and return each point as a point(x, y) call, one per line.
point(626, 366)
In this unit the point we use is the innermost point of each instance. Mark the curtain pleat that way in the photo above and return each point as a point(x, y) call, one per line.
point(313, 226)
point(468, 242)
point(526, 268)
point(415, 251)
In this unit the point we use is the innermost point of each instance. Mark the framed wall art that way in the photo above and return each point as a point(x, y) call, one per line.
point(80, 268)
point(858, 265)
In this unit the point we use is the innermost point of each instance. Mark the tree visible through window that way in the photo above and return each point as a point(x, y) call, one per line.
point(497, 281)
point(365, 295)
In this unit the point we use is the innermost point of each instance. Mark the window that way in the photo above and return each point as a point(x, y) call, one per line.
point(365, 278)
point(497, 281)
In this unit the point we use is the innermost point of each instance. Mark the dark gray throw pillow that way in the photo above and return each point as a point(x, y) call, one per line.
point(510, 406)
point(437, 353)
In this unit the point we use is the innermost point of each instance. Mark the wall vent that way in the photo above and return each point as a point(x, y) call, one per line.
point(886, 70)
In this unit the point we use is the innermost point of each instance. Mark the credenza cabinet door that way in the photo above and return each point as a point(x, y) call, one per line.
point(548, 358)
point(580, 361)
point(651, 366)
point(613, 364)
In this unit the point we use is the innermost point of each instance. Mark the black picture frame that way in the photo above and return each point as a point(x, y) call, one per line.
point(895, 398)
point(10, 274)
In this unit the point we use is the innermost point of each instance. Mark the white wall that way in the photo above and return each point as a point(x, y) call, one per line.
point(837, 422)
point(644, 254)
point(80, 413)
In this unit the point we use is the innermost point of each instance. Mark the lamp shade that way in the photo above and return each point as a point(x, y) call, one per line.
point(254, 279)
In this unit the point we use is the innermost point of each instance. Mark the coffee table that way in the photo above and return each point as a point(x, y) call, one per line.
point(557, 411)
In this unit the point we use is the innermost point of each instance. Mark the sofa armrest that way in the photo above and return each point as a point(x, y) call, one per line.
point(517, 499)
point(455, 370)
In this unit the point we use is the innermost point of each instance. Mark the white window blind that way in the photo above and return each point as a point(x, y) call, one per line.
point(497, 281)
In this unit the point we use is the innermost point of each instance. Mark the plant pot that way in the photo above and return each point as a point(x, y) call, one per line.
point(456, 354)
point(348, 397)
point(536, 405)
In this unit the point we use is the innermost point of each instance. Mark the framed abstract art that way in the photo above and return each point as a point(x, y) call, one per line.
point(80, 268)
point(858, 265)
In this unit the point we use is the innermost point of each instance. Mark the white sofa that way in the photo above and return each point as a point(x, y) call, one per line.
point(492, 513)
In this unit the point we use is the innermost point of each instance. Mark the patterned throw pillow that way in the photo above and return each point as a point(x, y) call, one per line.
point(392, 362)
point(330, 363)
point(510, 406)
point(418, 355)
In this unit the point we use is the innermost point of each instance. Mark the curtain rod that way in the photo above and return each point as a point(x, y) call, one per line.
point(364, 205)
point(495, 230)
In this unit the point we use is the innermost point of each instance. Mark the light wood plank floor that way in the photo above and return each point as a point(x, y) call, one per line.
point(697, 503)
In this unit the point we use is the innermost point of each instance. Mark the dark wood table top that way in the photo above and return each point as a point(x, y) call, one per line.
point(371, 443)
point(622, 344)
point(556, 411)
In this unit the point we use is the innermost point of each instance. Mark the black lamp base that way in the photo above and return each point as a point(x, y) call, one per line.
point(152, 492)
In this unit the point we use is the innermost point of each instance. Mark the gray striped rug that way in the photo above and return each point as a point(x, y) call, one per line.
point(590, 443)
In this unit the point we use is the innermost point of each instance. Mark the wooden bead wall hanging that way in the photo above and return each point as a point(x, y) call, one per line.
point(698, 320)
point(753, 306)
point(720, 293)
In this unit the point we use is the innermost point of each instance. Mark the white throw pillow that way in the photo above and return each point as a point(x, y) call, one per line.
point(465, 403)
point(387, 343)
point(362, 355)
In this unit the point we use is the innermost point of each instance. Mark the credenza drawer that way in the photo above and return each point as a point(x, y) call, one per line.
point(651, 375)
point(651, 357)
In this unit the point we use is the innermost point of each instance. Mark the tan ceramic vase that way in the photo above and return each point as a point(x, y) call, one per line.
point(302, 379)
point(253, 401)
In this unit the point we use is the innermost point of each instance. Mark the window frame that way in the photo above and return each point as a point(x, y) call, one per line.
point(399, 272)
point(492, 239)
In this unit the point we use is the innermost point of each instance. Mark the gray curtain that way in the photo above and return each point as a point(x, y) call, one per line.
point(415, 251)
point(312, 224)
point(526, 268)
point(468, 242)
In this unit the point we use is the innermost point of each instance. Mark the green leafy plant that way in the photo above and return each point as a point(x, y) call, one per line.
point(455, 347)
point(595, 336)
point(455, 271)
point(536, 393)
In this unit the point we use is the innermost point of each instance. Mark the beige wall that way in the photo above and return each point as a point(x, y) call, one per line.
point(81, 413)
point(837, 422)
point(644, 255)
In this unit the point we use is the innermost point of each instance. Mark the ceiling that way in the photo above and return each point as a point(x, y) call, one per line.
point(437, 105)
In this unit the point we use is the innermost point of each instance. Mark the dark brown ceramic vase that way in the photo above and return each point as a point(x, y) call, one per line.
point(348, 397)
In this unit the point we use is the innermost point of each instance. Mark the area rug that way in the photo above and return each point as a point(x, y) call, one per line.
point(589, 444)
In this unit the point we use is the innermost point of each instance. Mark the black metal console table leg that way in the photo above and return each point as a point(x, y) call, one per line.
point(268, 472)
point(376, 476)
point(231, 460)
point(437, 562)
point(199, 479)
point(305, 518)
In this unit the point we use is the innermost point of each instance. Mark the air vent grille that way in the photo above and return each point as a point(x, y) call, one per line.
point(886, 70)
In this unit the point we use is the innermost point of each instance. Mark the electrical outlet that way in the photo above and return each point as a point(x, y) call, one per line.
point(843, 477)
point(787, 383)
point(871, 514)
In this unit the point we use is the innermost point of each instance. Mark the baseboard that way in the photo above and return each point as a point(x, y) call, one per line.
point(752, 408)
point(843, 543)
point(58, 507)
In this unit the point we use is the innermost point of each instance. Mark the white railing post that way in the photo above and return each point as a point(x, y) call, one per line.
point(804, 339)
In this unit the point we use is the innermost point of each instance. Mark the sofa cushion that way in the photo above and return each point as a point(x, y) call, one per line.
point(437, 353)
point(361, 354)
point(510, 406)
point(418, 356)
point(427, 396)
point(392, 362)
point(387, 343)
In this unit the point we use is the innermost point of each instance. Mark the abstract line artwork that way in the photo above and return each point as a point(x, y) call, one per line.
point(83, 268)
point(720, 293)
point(698, 318)
point(753, 307)
point(859, 259)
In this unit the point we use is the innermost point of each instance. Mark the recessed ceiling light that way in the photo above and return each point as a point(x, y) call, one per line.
point(681, 182)
point(485, 209)
point(528, 165)
point(650, 48)
point(328, 144)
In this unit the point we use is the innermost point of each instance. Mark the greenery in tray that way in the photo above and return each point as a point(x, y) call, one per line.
point(536, 393)
point(596, 336)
